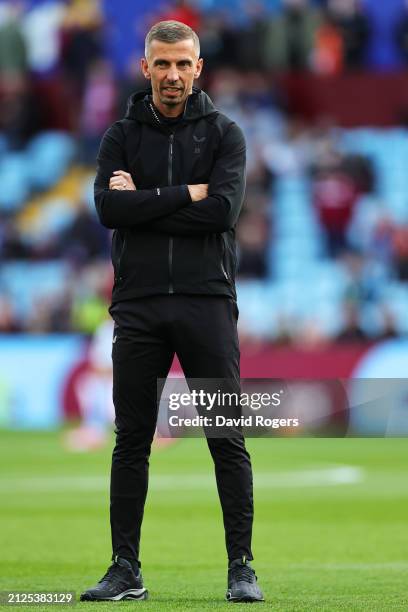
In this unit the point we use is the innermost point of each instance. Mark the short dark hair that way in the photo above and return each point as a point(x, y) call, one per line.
point(171, 32)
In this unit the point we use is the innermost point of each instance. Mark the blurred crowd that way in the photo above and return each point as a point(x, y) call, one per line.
point(64, 62)
point(59, 73)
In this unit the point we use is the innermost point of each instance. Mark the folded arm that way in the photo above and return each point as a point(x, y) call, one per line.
point(128, 208)
point(219, 211)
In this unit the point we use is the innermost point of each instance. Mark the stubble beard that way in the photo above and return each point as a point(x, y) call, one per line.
point(170, 103)
point(173, 101)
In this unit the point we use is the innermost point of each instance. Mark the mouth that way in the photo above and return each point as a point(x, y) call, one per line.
point(171, 90)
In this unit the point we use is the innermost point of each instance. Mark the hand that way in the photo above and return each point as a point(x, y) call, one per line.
point(121, 181)
point(198, 192)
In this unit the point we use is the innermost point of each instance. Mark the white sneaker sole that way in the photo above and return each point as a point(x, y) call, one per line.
point(130, 594)
point(135, 594)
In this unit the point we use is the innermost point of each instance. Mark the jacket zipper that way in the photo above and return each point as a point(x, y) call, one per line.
point(222, 260)
point(121, 257)
point(170, 181)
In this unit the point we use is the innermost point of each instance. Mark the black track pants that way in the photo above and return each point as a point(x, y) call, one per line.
point(202, 331)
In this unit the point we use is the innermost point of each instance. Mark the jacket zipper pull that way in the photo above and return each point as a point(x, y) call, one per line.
point(170, 182)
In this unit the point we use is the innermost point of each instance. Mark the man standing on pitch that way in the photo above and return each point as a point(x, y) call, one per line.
point(170, 182)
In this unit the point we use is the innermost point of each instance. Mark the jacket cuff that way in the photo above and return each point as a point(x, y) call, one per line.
point(186, 193)
point(176, 197)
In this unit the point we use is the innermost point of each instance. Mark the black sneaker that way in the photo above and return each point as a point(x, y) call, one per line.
point(119, 582)
point(242, 584)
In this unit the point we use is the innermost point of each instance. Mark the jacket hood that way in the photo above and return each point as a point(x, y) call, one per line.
point(198, 105)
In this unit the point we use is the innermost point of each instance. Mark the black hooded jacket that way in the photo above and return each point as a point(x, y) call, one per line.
point(163, 242)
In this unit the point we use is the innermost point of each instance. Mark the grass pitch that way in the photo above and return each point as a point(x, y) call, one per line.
point(331, 524)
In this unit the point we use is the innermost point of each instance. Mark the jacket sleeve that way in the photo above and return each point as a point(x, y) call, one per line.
point(218, 212)
point(122, 209)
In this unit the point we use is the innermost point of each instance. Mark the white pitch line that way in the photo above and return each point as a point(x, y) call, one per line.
point(317, 477)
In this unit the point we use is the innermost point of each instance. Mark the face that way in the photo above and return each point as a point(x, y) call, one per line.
point(171, 68)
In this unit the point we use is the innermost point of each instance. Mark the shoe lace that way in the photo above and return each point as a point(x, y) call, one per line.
point(113, 571)
point(243, 573)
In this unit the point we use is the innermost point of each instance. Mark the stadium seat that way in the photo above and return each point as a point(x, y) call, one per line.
point(27, 282)
point(258, 306)
point(49, 154)
point(14, 181)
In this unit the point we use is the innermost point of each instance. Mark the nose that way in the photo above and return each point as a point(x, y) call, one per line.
point(173, 74)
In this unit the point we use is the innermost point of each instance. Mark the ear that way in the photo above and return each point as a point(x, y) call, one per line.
point(145, 68)
point(199, 67)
